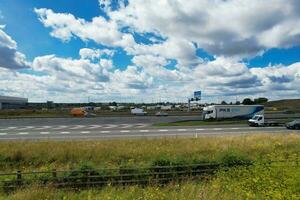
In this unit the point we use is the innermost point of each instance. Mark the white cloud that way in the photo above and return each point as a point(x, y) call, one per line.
point(9, 56)
point(238, 28)
point(229, 30)
point(86, 53)
point(65, 26)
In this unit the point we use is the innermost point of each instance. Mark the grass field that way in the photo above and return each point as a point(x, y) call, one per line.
point(255, 182)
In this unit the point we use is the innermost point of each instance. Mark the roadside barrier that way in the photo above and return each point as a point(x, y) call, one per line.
point(90, 177)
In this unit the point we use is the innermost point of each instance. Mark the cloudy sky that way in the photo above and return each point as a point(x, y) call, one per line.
point(147, 50)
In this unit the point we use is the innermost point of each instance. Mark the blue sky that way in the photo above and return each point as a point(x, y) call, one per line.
point(153, 47)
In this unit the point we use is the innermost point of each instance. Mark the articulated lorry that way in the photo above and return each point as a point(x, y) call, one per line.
point(232, 111)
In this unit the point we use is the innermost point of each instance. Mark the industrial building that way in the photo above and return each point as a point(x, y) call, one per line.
point(13, 102)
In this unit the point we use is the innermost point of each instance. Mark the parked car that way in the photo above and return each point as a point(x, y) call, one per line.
point(293, 124)
point(161, 114)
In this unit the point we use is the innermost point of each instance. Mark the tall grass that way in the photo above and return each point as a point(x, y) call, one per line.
point(258, 181)
point(139, 153)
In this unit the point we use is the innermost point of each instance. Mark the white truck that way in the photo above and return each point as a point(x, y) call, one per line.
point(259, 120)
point(232, 111)
point(138, 111)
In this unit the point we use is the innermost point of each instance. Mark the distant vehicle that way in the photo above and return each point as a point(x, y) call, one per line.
point(161, 114)
point(78, 112)
point(232, 111)
point(138, 111)
point(293, 124)
point(259, 120)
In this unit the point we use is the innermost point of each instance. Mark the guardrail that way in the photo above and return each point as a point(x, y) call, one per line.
point(114, 176)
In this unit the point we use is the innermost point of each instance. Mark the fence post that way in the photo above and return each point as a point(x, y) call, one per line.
point(54, 174)
point(19, 177)
point(88, 178)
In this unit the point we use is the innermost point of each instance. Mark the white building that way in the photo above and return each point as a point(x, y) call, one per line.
point(12, 102)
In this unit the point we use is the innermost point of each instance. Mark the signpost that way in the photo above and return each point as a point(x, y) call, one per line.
point(197, 97)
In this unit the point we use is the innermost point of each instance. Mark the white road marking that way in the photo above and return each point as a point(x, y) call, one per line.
point(144, 131)
point(104, 131)
point(141, 125)
point(163, 130)
point(126, 125)
point(60, 127)
point(181, 130)
point(94, 126)
point(200, 129)
point(217, 129)
point(65, 132)
point(235, 128)
point(44, 133)
point(125, 131)
point(85, 132)
point(3, 133)
point(25, 128)
point(23, 133)
point(43, 127)
point(110, 126)
point(77, 127)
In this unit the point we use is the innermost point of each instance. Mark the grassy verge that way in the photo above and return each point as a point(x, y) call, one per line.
point(259, 181)
point(255, 182)
point(201, 123)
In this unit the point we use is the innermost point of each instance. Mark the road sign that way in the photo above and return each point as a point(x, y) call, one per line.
point(197, 94)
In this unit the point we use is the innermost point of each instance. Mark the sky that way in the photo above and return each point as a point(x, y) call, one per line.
point(149, 51)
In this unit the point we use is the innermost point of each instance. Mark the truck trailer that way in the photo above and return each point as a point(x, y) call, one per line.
point(232, 111)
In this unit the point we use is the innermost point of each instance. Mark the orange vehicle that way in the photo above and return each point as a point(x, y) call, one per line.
point(78, 112)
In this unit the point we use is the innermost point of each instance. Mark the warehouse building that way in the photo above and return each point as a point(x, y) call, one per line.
point(12, 102)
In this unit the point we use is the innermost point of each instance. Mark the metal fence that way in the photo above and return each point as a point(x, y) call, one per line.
point(89, 177)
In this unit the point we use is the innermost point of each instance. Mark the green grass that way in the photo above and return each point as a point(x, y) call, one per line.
point(202, 123)
point(255, 182)
point(259, 181)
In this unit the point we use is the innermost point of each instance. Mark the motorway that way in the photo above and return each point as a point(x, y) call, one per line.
point(113, 131)
point(116, 127)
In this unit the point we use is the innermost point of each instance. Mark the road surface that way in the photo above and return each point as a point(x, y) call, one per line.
point(114, 131)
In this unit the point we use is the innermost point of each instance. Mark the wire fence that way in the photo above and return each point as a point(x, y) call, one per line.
point(85, 178)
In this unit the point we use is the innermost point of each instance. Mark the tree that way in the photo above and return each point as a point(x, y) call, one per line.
point(223, 103)
point(261, 100)
point(248, 101)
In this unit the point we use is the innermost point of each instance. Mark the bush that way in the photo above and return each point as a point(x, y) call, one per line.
point(234, 158)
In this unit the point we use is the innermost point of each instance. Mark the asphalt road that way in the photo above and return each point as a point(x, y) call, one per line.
point(115, 120)
point(113, 131)
point(92, 121)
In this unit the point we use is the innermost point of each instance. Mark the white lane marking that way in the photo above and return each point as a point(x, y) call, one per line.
point(59, 127)
point(43, 127)
point(3, 133)
point(144, 131)
point(25, 128)
point(94, 126)
point(77, 127)
point(125, 131)
point(141, 125)
point(110, 126)
point(181, 130)
point(163, 130)
point(200, 129)
point(65, 132)
point(126, 125)
point(44, 133)
point(23, 133)
point(217, 129)
point(104, 131)
point(8, 128)
point(235, 128)
point(85, 132)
